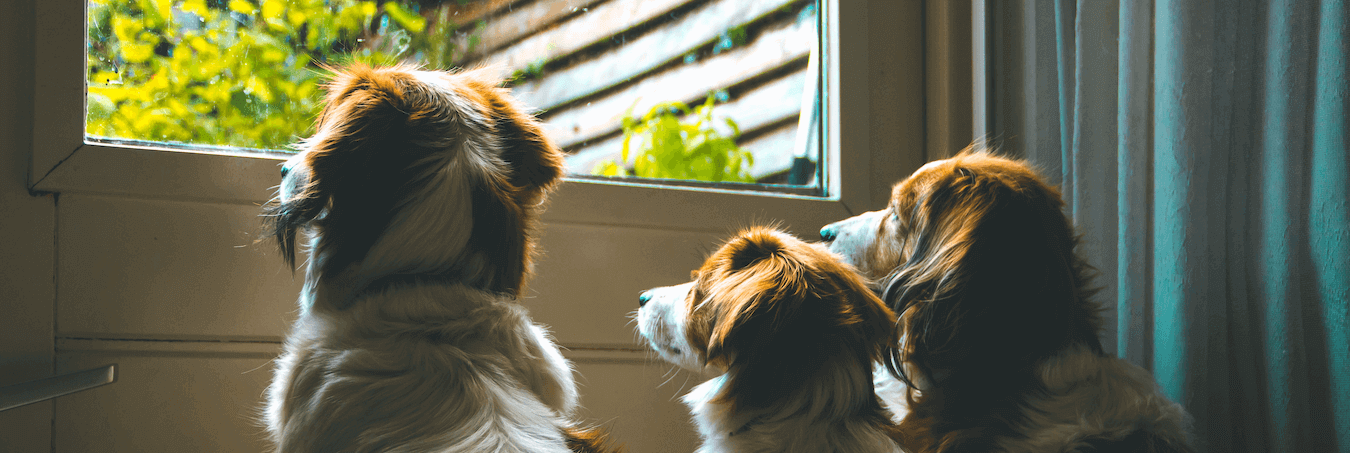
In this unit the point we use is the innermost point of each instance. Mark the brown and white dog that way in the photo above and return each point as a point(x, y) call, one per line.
point(999, 348)
point(791, 334)
point(419, 192)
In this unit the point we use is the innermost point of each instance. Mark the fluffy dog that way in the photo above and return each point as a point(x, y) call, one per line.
point(999, 346)
point(792, 334)
point(420, 192)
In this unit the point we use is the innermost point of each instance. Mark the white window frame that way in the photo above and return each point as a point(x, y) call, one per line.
point(63, 162)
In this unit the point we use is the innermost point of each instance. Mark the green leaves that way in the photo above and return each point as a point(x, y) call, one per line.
point(407, 19)
point(229, 73)
point(673, 141)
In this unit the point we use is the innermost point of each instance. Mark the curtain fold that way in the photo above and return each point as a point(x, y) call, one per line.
point(1202, 150)
point(1329, 216)
point(1133, 189)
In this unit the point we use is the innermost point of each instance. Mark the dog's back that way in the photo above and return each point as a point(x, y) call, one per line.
point(1096, 403)
point(472, 381)
point(1140, 441)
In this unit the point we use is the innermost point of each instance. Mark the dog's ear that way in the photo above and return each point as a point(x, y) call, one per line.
point(747, 275)
point(738, 292)
point(992, 283)
point(506, 206)
point(791, 312)
point(361, 144)
point(928, 292)
point(536, 163)
point(362, 157)
point(753, 246)
point(360, 106)
point(285, 219)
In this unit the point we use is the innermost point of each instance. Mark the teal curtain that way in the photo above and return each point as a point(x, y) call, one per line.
point(1202, 149)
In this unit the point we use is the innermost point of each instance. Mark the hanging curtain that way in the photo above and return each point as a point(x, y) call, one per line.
point(1202, 150)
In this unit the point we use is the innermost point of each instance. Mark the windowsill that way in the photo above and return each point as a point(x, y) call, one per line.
point(251, 178)
point(146, 172)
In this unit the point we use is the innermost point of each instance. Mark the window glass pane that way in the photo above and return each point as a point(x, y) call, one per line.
point(723, 91)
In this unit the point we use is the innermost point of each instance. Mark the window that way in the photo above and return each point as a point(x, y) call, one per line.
point(66, 160)
point(667, 89)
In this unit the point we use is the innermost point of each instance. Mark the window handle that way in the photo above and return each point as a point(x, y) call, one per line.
point(34, 391)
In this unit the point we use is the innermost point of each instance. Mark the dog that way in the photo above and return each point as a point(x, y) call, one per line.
point(999, 348)
point(790, 333)
point(420, 192)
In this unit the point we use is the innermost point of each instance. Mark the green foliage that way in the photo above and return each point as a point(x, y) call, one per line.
point(668, 147)
point(241, 73)
point(405, 35)
point(531, 71)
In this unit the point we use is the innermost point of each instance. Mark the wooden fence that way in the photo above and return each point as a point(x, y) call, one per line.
point(587, 62)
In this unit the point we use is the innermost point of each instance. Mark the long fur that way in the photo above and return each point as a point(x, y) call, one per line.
point(999, 346)
point(419, 192)
point(791, 334)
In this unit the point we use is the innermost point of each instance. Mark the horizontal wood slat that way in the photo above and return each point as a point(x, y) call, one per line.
point(544, 18)
point(595, 26)
point(585, 63)
point(768, 106)
point(782, 45)
point(644, 54)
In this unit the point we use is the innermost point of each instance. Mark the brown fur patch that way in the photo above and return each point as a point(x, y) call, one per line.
point(773, 310)
point(583, 440)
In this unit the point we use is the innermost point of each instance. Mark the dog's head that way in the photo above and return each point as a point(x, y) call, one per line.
point(772, 313)
point(418, 172)
point(977, 259)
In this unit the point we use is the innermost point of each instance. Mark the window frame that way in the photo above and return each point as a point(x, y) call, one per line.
point(63, 162)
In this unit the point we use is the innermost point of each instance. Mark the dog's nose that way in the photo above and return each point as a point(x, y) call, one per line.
point(643, 298)
point(285, 170)
point(828, 233)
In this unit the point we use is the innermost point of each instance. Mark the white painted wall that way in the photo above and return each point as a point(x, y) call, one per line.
point(181, 297)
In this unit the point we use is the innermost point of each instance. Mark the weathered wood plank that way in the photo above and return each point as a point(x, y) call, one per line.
point(781, 45)
point(773, 104)
point(767, 104)
point(598, 24)
point(585, 159)
point(700, 26)
point(772, 151)
point(518, 22)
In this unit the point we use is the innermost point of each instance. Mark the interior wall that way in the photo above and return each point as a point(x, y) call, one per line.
point(27, 241)
point(895, 60)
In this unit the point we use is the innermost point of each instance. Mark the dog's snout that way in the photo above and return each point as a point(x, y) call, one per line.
point(829, 233)
point(285, 170)
point(643, 298)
